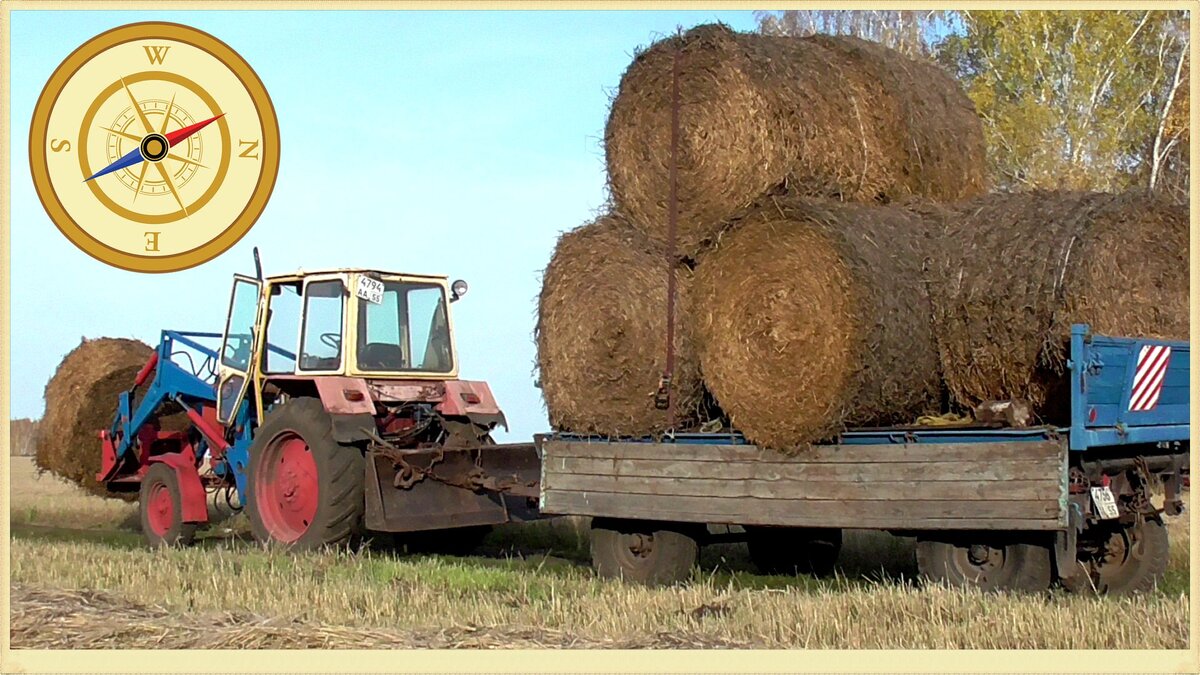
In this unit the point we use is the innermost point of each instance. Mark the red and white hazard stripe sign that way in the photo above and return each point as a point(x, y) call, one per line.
point(1148, 380)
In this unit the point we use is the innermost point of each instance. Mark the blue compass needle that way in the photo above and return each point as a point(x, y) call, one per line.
point(132, 157)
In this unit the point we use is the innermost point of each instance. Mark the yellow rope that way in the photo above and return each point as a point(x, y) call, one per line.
point(945, 420)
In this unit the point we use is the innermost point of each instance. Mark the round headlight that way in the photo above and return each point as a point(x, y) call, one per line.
point(458, 288)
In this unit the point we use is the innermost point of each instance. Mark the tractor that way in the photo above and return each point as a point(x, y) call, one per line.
point(330, 409)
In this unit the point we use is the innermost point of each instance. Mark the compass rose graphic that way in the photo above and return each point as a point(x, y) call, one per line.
point(154, 147)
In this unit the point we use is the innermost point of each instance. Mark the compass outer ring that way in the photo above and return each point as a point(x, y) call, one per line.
point(97, 249)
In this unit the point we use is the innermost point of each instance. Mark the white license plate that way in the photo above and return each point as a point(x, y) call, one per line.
point(370, 290)
point(1106, 503)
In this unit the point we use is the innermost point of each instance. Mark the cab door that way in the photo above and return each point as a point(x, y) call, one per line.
point(238, 346)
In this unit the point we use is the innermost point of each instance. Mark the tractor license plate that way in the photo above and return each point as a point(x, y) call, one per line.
point(370, 289)
point(1106, 504)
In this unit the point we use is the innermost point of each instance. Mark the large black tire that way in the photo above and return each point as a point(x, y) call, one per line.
point(986, 563)
point(642, 553)
point(280, 500)
point(1136, 559)
point(161, 507)
point(794, 550)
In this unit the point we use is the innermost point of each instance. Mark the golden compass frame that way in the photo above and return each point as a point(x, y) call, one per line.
point(97, 249)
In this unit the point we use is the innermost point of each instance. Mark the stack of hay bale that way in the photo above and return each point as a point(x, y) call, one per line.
point(838, 261)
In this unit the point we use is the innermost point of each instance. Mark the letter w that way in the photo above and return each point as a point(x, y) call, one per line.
point(156, 53)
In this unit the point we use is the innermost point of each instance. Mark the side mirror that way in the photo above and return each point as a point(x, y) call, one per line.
point(457, 290)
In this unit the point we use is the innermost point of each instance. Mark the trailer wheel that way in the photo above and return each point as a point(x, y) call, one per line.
point(989, 565)
point(1132, 559)
point(642, 553)
point(305, 490)
point(794, 550)
point(161, 506)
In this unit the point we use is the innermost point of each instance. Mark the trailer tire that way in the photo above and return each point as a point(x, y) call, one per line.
point(304, 489)
point(161, 505)
point(794, 550)
point(642, 553)
point(1142, 553)
point(1000, 564)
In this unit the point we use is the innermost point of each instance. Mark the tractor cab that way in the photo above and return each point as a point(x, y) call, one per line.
point(352, 323)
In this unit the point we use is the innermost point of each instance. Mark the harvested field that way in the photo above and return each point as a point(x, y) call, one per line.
point(526, 587)
point(815, 315)
point(81, 399)
point(1018, 270)
point(602, 330)
point(833, 116)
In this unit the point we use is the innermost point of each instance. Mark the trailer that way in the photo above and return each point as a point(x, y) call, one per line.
point(991, 506)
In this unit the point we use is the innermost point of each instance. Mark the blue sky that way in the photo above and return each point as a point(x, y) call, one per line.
point(457, 143)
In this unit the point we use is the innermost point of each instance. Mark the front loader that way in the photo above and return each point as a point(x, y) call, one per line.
point(331, 407)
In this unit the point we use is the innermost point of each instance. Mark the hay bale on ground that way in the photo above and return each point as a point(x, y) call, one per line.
point(830, 116)
point(1019, 269)
point(81, 399)
point(814, 316)
point(601, 333)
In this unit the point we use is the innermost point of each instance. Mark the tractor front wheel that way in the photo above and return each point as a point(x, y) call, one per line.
point(305, 489)
point(161, 506)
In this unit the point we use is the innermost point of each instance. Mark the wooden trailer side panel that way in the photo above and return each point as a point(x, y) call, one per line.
point(1009, 486)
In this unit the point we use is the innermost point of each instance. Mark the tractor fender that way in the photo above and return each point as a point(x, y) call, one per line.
point(191, 490)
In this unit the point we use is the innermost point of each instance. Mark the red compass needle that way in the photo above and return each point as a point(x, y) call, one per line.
point(180, 134)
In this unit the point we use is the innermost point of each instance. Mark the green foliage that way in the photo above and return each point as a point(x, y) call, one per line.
point(1093, 100)
point(1070, 99)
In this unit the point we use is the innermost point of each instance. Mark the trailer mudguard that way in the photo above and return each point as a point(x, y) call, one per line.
point(191, 490)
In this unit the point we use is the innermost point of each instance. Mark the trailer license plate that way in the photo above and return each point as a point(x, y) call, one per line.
point(1106, 504)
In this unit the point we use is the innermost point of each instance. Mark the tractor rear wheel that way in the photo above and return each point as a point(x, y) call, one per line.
point(642, 553)
point(305, 490)
point(161, 506)
point(794, 550)
point(989, 563)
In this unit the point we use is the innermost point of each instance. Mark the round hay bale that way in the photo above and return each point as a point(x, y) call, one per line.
point(602, 332)
point(833, 117)
point(81, 400)
point(1019, 269)
point(814, 316)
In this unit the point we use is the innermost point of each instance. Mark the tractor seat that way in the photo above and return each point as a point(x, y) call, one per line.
point(380, 356)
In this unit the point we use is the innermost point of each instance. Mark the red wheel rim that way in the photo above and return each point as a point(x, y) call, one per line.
point(160, 510)
point(286, 487)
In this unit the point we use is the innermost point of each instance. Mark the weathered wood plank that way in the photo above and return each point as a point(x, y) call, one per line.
point(1000, 470)
point(963, 490)
point(853, 454)
point(915, 515)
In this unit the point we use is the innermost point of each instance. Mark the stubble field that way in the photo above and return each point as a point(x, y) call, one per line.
point(81, 578)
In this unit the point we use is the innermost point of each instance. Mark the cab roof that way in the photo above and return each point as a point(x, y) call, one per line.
point(344, 270)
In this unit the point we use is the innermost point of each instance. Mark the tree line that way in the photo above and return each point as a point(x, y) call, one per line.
point(1081, 99)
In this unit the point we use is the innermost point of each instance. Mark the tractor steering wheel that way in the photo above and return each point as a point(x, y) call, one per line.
point(332, 340)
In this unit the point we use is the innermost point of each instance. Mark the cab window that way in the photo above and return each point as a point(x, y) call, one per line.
point(283, 328)
point(406, 331)
point(321, 341)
